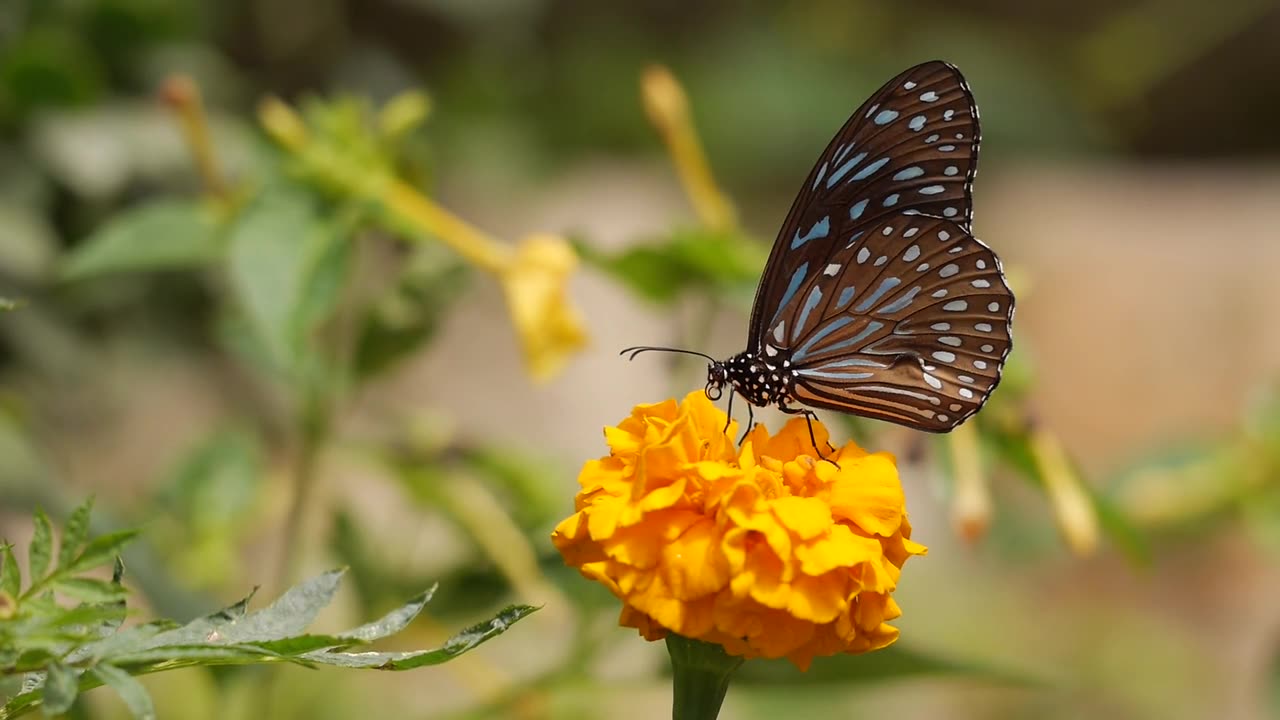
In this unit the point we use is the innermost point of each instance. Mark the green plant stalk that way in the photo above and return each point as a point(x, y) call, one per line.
point(700, 676)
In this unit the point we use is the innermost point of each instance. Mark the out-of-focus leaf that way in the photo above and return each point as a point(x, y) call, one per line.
point(46, 66)
point(90, 590)
point(409, 315)
point(101, 550)
point(895, 662)
point(10, 575)
point(286, 264)
point(74, 533)
point(61, 685)
point(457, 645)
point(163, 235)
point(532, 497)
point(1121, 530)
point(688, 259)
point(210, 495)
point(6, 304)
point(135, 696)
point(41, 550)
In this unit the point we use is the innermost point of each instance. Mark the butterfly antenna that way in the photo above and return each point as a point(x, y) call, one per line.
point(632, 352)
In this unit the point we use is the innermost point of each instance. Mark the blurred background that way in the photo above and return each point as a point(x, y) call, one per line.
point(274, 367)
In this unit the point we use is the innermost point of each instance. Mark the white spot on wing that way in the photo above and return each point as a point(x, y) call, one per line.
point(956, 306)
point(832, 269)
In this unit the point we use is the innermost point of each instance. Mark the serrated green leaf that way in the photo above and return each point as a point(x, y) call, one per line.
point(74, 533)
point(90, 590)
point(164, 235)
point(393, 622)
point(61, 685)
point(34, 659)
point(41, 550)
point(289, 615)
point(135, 696)
point(10, 575)
point(457, 645)
point(90, 614)
point(101, 550)
point(172, 656)
point(301, 644)
point(131, 639)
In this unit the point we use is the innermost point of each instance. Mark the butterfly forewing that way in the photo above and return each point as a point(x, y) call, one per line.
point(911, 148)
point(908, 322)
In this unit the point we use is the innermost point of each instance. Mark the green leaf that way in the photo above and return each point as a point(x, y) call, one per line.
point(892, 663)
point(130, 690)
point(688, 259)
point(61, 684)
point(41, 550)
point(301, 644)
point(101, 550)
point(285, 264)
point(289, 615)
point(457, 645)
point(170, 656)
point(10, 575)
point(393, 622)
point(409, 315)
point(164, 235)
point(90, 590)
point(74, 533)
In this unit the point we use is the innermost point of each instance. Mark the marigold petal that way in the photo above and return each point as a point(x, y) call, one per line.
point(818, 599)
point(868, 493)
point(839, 548)
point(807, 517)
point(694, 565)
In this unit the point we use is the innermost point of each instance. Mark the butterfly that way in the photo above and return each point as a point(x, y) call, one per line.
point(877, 300)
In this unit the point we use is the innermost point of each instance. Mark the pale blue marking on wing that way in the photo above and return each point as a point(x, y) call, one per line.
point(901, 302)
point(886, 285)
point(931, 190)
point(815, 297)
point(819, 230)
point(797, 278)
point(871, 328)
point(855, 212)
point(917, 123)
point(844, 169)
point(884, 117)
point(835, 376)
point(867, 171)
point(825, 331)
point(909, 173)
point(846, 297)
point(891, 200)
point(822, 171)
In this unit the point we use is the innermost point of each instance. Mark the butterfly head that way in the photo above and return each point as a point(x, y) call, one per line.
point(717, 378)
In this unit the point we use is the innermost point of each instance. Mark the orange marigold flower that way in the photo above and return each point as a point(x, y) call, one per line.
point(763, 549)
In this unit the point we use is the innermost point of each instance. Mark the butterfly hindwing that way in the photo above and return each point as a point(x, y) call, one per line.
point(909, 321)
point(912, 147)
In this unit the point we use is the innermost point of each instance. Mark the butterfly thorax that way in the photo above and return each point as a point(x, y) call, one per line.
point(761, 382)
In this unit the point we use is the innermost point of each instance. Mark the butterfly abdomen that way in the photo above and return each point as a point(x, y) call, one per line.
point(762, 382)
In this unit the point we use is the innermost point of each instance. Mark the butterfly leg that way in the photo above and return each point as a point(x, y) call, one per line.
point(728, 420)
point(751, 420)
point(809, 417)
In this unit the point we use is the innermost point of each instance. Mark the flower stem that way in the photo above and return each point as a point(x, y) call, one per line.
point(313, 432)
point(668, 109)
point(182, 94)
point(701, 677)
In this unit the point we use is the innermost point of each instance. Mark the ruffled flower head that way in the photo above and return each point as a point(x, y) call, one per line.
point(764, 549)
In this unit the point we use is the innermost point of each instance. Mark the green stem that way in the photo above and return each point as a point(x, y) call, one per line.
point(313, 430)
point(701, 674)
